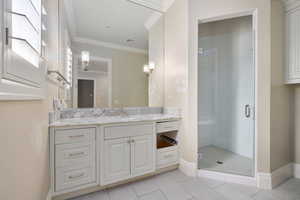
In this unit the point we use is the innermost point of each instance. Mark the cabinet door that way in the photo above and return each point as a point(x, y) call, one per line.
point(116, 160)
point(142, 155)
point(293, 46)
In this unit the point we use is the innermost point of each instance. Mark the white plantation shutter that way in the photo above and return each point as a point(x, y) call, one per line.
point(24, 32)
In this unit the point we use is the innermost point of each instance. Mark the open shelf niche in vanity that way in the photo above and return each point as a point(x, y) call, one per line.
point(167, 143)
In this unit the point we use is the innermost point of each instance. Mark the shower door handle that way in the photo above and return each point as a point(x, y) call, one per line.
point(247, 111)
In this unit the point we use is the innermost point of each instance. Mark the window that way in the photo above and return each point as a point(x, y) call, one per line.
point(24, 30)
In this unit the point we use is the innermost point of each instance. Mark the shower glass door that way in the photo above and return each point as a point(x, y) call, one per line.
point(226, 96)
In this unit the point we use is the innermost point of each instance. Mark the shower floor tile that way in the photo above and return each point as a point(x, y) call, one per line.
point(232, 163)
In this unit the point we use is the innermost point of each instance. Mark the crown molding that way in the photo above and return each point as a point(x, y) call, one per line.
point(157, 5)
point(151, 4)
point(152, 20)
point(291, 4)
point(109, 45)
point(166, 4)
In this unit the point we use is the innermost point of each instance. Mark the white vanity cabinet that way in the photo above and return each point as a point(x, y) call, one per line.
point(85, 158)
point(293, 42)
point(128, 151)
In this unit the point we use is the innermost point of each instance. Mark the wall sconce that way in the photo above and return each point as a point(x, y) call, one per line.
point(148, 69)
point(85, 59)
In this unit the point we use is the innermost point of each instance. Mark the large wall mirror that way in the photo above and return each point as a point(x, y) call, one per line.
point(109, 42)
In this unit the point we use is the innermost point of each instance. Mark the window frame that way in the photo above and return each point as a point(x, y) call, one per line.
point(13, 87)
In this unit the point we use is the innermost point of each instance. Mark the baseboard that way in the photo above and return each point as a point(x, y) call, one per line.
point(297, 170)
point(49, 196)
point(269, 181)
point(188, 168)
point(228, 178)
point(282, 174)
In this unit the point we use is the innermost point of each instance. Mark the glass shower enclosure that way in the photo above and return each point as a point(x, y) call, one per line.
point(226, 85)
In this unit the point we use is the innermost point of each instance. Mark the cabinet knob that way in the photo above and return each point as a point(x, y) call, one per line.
point(76, 154)
point(76, 136)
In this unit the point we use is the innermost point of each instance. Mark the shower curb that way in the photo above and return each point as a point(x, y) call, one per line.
point(227, 178)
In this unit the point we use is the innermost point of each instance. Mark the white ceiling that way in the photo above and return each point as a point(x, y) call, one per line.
point(110, 21)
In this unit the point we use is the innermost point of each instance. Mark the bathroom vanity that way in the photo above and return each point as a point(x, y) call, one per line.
point(96, 152)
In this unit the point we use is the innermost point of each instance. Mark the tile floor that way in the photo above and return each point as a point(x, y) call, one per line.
point(232, 163)
point(176, 186)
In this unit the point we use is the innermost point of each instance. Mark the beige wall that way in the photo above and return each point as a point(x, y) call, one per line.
point(296, 137)
point(102, 92)
point(156, 55)
point(176, 73)
point(129, 82)
point(24, 148)
point(281, 94)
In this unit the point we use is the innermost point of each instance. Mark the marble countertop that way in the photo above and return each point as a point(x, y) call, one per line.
point(114, 119)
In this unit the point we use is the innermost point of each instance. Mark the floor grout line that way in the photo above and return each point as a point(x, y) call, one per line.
point(228, 193)
point(164, 194)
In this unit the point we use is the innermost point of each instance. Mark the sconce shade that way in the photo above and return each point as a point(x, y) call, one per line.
point(146, 69)
point(85, 56)
point(85, 59)
point(151, 66)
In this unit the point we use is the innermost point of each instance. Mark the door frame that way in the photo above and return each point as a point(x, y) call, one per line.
point(92, 75)
point(253, 13)
point(90, 79)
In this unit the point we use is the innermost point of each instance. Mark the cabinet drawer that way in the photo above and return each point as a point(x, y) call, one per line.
point(167, 157)
point(127, 131)
point(167, 126)
point(75, 135)
point(70, 155)
point(67, 179)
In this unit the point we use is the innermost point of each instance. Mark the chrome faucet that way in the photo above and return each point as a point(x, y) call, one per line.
point(123, 113)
